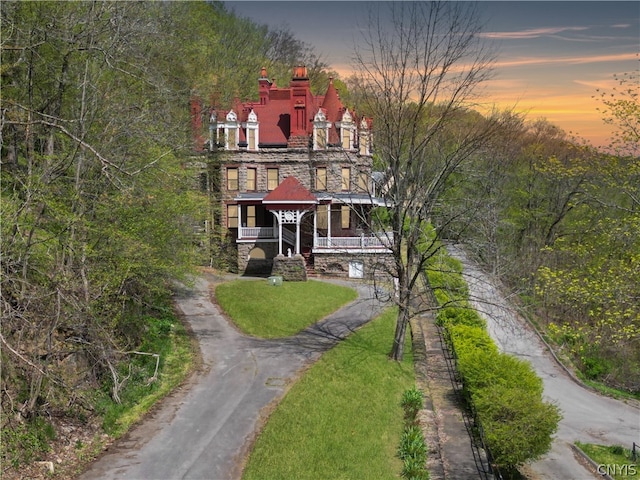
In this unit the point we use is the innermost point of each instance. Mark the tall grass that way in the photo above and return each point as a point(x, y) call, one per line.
point(343, 419)
point(267, 311)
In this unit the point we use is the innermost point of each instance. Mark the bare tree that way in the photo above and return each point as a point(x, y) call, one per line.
point(419, 67)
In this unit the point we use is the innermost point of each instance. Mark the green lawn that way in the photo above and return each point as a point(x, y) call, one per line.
point(614, 460)
point(343, 419)
point(267, 311)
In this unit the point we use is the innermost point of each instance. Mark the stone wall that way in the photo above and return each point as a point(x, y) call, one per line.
point(300, 164)
point(337, 264)
point(291, 269)
point(256, 258)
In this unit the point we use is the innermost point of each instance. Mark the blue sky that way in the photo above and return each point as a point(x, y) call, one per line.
point(552, 56)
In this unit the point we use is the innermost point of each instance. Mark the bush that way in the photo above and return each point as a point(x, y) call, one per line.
point(412, 402)
point(517, 425)
point(412, 444)
point(502, 390)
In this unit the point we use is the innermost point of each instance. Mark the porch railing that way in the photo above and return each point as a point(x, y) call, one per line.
point(382, 240)
point(258, 232)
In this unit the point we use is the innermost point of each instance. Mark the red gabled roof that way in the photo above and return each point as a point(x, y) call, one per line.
point(282, 112)
point(290, 191)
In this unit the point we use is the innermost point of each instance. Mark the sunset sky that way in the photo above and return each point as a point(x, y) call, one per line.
point(552, 56)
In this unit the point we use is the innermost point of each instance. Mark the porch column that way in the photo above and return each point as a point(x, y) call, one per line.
point(298, 221)
point(329, 225)
point(315, 227)
point(279, 233)
point(239, 221)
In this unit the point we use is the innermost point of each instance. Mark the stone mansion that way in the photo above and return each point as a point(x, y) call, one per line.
point(295, 180)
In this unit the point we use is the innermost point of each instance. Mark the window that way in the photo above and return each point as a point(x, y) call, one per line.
point(364, 137)
point(232, 138)
point(251, 179)
point(251, 215)
point(321, 139)
point(345, 216)
point(321, 178)
point(251, 139)
point(320, 130)
point(346, 178)
point(363, 182)
point(252, 131)
point(232, 178)
point(231, 131)
point(322, 217)
point(272, 178)
point(346, 130)
point(346, 138)
point(232, 216)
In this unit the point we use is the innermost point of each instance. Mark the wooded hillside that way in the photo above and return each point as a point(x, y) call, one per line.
point(98, 213)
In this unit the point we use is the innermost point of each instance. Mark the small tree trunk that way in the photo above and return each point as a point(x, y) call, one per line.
point(397, 351)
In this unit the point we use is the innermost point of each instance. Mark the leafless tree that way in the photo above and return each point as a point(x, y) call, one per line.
point(419, 66)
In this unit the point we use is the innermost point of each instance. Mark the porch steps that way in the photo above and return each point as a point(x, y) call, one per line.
point(308, 263)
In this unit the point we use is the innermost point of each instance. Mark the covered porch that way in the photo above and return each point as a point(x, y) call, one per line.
point(292, 221)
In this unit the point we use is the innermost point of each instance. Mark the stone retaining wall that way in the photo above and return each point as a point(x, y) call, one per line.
point(375, 265)
point(291, 269)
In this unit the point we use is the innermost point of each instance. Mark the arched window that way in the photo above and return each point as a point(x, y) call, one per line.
point(320, 131)
point(252, 132)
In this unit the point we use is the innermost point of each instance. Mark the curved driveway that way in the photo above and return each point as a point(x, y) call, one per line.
point(205, 431)
point(587, 416)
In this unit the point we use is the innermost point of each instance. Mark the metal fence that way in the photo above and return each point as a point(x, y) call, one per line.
point(481, 453)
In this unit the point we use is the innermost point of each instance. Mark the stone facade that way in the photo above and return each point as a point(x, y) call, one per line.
point(339, 264)
point(256, 258)
point(291, 269)
point(299, 164)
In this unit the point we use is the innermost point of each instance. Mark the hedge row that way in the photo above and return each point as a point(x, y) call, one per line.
point(503, 391)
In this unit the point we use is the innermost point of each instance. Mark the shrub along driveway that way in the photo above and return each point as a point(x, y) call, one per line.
point(587, 416)
point(204, 431)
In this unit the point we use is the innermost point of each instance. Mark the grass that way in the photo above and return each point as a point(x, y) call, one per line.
point(614, 460)
point(174, 346)
point(343, 419)
point(267, 311)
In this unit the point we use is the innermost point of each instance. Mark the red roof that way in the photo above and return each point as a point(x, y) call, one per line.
point(290, 191)
point(285, 112)
point(334, 110)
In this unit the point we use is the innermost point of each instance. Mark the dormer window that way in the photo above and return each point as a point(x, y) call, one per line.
point(320, 131)
point(231, 131)
point(347, 131)
point(365, 138)
point(252, 132)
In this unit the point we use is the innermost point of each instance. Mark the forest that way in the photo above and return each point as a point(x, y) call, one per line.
point(98, 208)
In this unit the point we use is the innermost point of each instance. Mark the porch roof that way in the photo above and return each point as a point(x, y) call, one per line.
point(322, 197)
point(290, 191)
point(250, 196)
point(351, 198)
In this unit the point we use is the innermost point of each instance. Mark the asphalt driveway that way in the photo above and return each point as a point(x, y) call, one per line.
point(587, 416)
point(205, 430)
